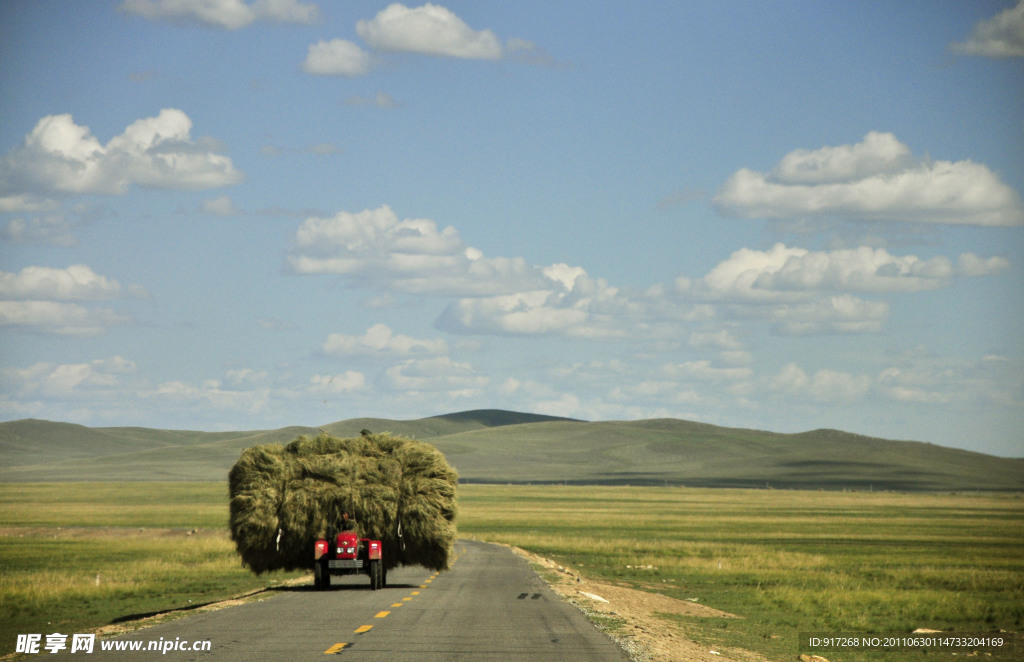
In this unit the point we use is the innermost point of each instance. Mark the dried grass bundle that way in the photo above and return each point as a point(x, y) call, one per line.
point(398, 490)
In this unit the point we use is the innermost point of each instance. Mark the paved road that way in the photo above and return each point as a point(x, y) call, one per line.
point(490, 606)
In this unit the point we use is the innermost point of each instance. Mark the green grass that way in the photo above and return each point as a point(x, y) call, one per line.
point(507, 447)
point(76, 556)
point(785, 561)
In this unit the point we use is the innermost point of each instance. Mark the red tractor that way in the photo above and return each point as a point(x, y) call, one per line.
point(348, 554)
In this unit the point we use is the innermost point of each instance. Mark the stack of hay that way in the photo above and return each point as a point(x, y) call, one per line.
point(398, 491)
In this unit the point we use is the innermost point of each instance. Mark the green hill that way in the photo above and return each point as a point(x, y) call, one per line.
point(508, 447)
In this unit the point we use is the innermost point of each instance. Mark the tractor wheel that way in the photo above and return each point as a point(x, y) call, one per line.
point(321, 575)
point(374, 575)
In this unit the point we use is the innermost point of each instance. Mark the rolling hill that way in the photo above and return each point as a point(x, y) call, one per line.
point(498, 446)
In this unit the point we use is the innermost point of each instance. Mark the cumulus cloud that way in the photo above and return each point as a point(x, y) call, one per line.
point(61, 157)
point(840, 314)
point(583, 307)
point(213, 393)
point(876, 179)
point(437, 375)
point(429, 30)
point(705, 371)
point(54, 380)
point(380, 339)
point(219, 206)
point(504, 296)
point(337, 57)
point(823, 386)
point(75, 283)
point(60, 318)
point(38, 298)
point(970, 264)
point(350, 380)
point(918, 376)
point(373, 247)
point(802, 292)
point(784, 272)
point(1001, 36)
point(49, 230)
point(229, 14)
point(795, 290)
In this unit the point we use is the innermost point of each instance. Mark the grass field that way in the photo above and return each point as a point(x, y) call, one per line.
point(497, 447)
point(785, 561)
point(76, 556)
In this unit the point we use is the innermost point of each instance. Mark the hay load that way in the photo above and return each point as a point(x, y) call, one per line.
point(398, 490)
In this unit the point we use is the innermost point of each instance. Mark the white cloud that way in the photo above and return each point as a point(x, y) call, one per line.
point(804, 292)
point(430, 30)
point(220, 206)
point(51, 230)
point(970, 264)
point(373, 247)
point(56, 380)
point(876, 179)
point(350, 380)
point(337, 57)
point(783, 272)
point(572, 304)
point(524, 313)
point(210, 393)
point(230, 14)
point(842, 314)
point(918, 376)
point(704, 371)
point(23, 202)
point(437, 375)
point(35, 298)
point(75, 283)
point(379, 339)
point(1001, 36)
point(720, 339)
point(824, 386)
point(59, 318)
point(567, 406)
point(61, 157)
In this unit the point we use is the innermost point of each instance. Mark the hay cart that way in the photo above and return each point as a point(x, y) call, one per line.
point(347, 554)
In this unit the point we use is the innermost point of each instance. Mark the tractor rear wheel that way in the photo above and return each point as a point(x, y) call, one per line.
point(321, 575)
point(375, 582)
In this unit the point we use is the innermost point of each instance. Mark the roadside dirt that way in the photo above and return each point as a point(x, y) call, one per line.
point(644, 635)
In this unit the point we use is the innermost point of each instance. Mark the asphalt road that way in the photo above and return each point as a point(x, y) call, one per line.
point(490, 606)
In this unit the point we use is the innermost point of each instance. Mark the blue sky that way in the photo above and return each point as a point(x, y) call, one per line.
point(778, 215)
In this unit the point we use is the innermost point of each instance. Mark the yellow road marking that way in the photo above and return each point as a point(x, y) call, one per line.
point(397, 604)
point(416, 592)
point(363, 628)
point(382, 614)
point(335, 649)
point(406, 599)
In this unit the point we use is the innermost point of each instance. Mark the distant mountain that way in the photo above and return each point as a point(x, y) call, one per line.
point(498, 446)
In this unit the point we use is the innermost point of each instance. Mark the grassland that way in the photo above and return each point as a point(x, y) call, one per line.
point(493, 446)
point(77, 556)
point(784, 561)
